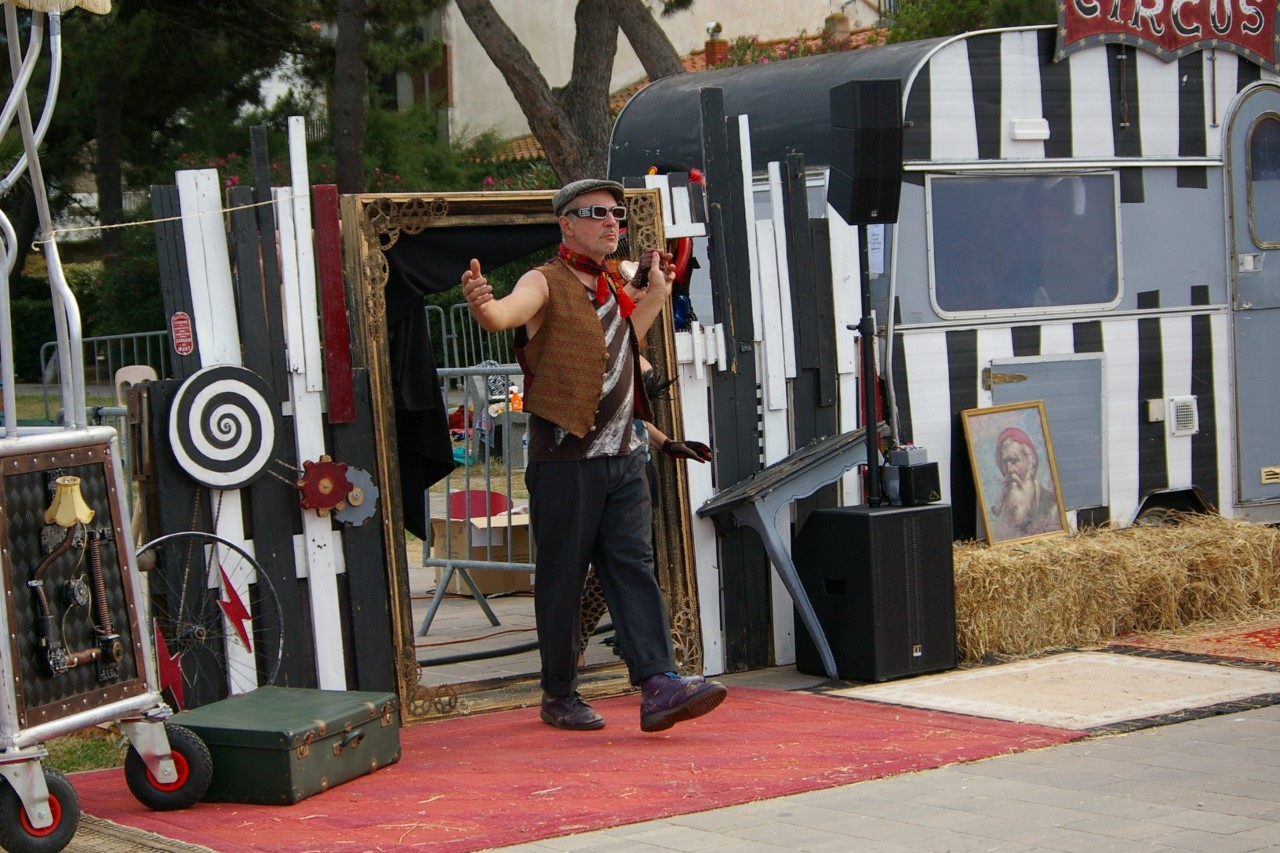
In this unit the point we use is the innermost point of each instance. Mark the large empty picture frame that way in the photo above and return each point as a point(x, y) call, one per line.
point(491, 226)
point(1015, 472)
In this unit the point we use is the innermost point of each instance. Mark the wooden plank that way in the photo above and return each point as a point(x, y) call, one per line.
point(373, 640)
point(319, 545)
point(744, 567)
point(183, 506)
point(218, 337)
point(273, 530)
point(184, 358)
point(270, 260)
point(778, 205)
point(333, 298)
point(245, 251)
point(208, 267)
point(309, 355)
point(826, 328)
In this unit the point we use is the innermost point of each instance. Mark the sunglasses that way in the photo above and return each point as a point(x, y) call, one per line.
point(600, 211)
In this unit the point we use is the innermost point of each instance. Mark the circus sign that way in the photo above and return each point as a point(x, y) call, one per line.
point(1171, 28)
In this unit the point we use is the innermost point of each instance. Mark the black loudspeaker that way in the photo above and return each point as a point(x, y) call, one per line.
point(882, 584)
point(912, 485)
point(866, 151)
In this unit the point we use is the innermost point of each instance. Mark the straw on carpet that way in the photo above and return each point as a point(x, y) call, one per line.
point(1090, 587)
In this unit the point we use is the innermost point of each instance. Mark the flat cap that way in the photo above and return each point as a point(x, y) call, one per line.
point(564, 198)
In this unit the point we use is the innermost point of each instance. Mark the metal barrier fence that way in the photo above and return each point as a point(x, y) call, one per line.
point(477, 516)
point(103, 356)
point(459, 341)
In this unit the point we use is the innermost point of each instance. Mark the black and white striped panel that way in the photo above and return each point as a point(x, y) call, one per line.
point(1103, 103)
point(938, 373)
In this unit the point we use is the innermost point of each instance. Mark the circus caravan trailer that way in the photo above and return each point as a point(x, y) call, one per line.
point(1087, 215)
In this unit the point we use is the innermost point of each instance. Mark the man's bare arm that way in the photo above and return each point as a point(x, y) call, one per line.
point(525, 301)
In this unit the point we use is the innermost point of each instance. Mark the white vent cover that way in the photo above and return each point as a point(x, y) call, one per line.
point(1184, 418)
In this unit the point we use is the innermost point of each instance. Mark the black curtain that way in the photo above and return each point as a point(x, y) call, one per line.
point(433, 261)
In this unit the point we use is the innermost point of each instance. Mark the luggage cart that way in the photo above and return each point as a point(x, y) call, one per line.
point(75, 651)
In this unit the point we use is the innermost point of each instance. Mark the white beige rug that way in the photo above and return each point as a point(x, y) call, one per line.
point(1076, 690)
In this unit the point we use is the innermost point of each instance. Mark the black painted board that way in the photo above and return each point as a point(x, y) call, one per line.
point(250, 295)
point(279, 374)
point(271, 500)
point(746, 599)
point(813, 413)
point(795, 213)
point(824, 299)
point(373, 644)
point(175, 286)
point(183, 505)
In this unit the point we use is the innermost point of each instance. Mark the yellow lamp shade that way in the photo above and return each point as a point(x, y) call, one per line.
point(68, 507)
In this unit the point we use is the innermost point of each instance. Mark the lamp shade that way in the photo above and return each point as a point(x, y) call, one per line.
point(68, 507)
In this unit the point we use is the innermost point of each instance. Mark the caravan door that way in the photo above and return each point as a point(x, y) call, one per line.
point(1253, 163)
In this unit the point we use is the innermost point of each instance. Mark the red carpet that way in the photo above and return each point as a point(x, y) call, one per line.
point(507, 778)
point(1255, 641)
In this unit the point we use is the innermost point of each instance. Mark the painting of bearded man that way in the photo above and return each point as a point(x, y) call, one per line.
point(1013, 465)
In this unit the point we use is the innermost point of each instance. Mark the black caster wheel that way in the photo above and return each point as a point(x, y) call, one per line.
point(191, 759)
point(19, 835)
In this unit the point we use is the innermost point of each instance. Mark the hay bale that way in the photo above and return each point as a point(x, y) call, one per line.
point(1090, 587)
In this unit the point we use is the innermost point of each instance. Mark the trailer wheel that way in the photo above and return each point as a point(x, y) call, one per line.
point(1155, 516)
point(191, 759)
point(18, 835)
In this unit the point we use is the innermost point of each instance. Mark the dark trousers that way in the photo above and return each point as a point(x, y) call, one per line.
point(596, 511)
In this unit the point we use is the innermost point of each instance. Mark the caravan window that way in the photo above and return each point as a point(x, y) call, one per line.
point(999, 242)
point(1264, 182)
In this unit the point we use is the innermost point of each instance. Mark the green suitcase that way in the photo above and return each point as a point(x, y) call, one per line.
point(279, 745)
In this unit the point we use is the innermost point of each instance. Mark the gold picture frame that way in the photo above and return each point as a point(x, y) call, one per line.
point(373, 223)
point(1011, 452)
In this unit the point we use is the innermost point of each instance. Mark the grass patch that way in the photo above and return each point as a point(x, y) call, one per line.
point(90, 749)
point(30, 407)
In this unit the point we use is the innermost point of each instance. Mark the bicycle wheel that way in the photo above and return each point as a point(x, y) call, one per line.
point(214, 617)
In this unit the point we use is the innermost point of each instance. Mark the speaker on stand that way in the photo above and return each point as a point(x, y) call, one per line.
point(865, 184)
point(882, 583)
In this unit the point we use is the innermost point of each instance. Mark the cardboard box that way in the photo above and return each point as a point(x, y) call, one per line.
point(501, 539)
point(907, 456)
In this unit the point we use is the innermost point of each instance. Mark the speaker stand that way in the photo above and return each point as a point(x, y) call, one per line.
point(757, 500)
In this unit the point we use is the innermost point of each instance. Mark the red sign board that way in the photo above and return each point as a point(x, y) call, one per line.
point(1172, 28)
point(180, 332)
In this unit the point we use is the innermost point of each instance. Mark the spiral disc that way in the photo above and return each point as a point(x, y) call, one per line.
point(223, 426)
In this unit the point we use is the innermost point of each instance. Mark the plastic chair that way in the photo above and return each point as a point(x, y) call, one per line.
point(130, 375)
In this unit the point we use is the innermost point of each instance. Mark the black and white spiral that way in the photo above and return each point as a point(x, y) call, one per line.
point(223, 426)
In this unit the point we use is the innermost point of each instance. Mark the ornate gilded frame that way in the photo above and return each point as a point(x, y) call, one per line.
point(373, 224)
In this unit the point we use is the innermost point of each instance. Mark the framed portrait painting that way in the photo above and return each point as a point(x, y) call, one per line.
point(1013, 467)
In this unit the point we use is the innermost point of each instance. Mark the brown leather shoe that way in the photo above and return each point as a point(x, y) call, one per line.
point(569, 712)
point(668, 699)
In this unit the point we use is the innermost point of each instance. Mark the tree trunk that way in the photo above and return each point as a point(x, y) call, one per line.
point(560, 131)
point(348, 96)
point(656, 53)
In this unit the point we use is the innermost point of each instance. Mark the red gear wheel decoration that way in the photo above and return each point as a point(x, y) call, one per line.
point(324, 485)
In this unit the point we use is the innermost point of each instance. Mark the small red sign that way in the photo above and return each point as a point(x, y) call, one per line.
point(184, 341)
point(1172, 28)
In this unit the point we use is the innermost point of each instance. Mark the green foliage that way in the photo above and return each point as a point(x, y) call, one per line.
point(749, 50)
point(123, 297)
point(919, 19)
point(32, 314)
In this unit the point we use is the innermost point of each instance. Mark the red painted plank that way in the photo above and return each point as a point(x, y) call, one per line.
point(333, 301)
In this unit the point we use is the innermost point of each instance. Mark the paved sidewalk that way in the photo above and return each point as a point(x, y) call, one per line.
point(1210, 784)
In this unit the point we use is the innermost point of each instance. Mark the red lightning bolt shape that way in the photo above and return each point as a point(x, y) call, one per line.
point(235, 611)
point(170, 668)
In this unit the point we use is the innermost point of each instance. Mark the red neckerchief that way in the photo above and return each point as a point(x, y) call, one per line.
point(603, 275)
